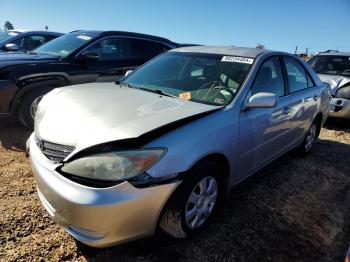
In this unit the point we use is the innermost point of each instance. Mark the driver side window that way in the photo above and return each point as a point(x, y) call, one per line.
point(269, 78)
point(108, 49)
point(28, 43)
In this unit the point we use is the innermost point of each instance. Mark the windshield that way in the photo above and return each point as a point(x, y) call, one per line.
point(333, 65)
point(64, 45)
point(204, 78)
point(6, 35)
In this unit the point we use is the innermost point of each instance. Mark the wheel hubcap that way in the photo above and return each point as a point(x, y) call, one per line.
point(34, 106)
point(201, 202)
point(310, 138)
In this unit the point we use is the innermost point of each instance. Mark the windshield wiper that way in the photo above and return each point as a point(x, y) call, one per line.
point(118, 82)
point(156, 91)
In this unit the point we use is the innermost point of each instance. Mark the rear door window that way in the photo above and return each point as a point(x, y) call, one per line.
point(296, 74)
point(161, 48)
point(140, 49)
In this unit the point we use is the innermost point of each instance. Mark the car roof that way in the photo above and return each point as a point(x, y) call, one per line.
point(124, 33)
point(224, 50)
point(333, 54)
point(19, 30)
point(22, 31)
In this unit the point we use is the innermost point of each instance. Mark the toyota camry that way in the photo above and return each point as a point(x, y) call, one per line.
point(163, 146)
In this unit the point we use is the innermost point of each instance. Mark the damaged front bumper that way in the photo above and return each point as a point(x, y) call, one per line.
point(340, 108)
point(98, 217)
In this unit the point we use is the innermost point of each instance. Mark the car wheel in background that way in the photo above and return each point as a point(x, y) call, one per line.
point(28, 106)
point(194, 201)
point(30, 100)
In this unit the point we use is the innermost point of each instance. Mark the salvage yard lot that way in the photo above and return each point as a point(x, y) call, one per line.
point(295, 209)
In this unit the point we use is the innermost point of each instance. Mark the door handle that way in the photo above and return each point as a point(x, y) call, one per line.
point(307, 99)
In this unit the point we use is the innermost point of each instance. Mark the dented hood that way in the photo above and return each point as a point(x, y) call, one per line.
point(91, 114)
point(335, 81)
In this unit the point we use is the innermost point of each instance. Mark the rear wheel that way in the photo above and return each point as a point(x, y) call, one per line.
point(310, 138)
point(194, 201)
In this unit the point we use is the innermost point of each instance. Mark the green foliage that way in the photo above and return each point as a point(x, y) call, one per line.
point(8, 26)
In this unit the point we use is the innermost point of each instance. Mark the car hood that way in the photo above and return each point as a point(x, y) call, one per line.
point(8, 57)
point(90, 114)
point(335, 81)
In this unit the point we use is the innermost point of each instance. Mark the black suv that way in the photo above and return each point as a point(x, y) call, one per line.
point(74, 58)
point(22, 40)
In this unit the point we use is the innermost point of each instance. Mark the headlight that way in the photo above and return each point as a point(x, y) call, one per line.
point(344, 92)
point(114, 166)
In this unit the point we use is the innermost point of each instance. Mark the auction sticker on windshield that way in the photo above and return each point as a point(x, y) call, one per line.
point(84, 37)
point(237, 59)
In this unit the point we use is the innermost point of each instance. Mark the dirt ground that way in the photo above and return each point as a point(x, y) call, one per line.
point(295, 209)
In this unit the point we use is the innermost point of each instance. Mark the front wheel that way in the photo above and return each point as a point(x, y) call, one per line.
point(194, 202)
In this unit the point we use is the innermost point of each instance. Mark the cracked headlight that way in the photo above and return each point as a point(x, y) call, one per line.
point(343, 92)
point(114, 166)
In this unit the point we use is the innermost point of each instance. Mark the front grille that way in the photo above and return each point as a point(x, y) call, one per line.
point(54, 152)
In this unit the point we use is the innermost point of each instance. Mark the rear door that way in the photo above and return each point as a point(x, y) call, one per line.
point(264, 131)
point(303, 97)
point(139, 51)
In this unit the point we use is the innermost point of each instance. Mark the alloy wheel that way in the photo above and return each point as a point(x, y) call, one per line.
point(310, 137)
point(201, 202)
point(34, 106)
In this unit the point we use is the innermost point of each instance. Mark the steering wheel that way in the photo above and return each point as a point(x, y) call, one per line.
point(207, 94)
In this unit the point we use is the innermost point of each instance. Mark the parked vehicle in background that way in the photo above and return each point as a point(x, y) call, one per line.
point(164, 146)
point(334, 68)
point(74, 58)
point(24, 40)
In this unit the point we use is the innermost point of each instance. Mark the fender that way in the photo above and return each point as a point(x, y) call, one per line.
point(25, 85)
point(41, 75)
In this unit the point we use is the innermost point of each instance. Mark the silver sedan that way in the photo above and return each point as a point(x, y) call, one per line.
point(163, 146)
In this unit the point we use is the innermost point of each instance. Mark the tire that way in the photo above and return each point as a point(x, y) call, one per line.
point(181, 217)
point(310, 138)
point(24, 112)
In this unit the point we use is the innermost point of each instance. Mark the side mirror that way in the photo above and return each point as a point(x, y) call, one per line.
point(117, 82)
point(88, 57)
point(128, 72)
point(262, 100)
point(11, 47)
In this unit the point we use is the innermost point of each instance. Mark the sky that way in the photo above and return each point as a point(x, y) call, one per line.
point(277, 24)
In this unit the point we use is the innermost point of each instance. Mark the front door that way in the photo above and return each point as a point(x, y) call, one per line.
point(110, 65)
point(264, 131)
